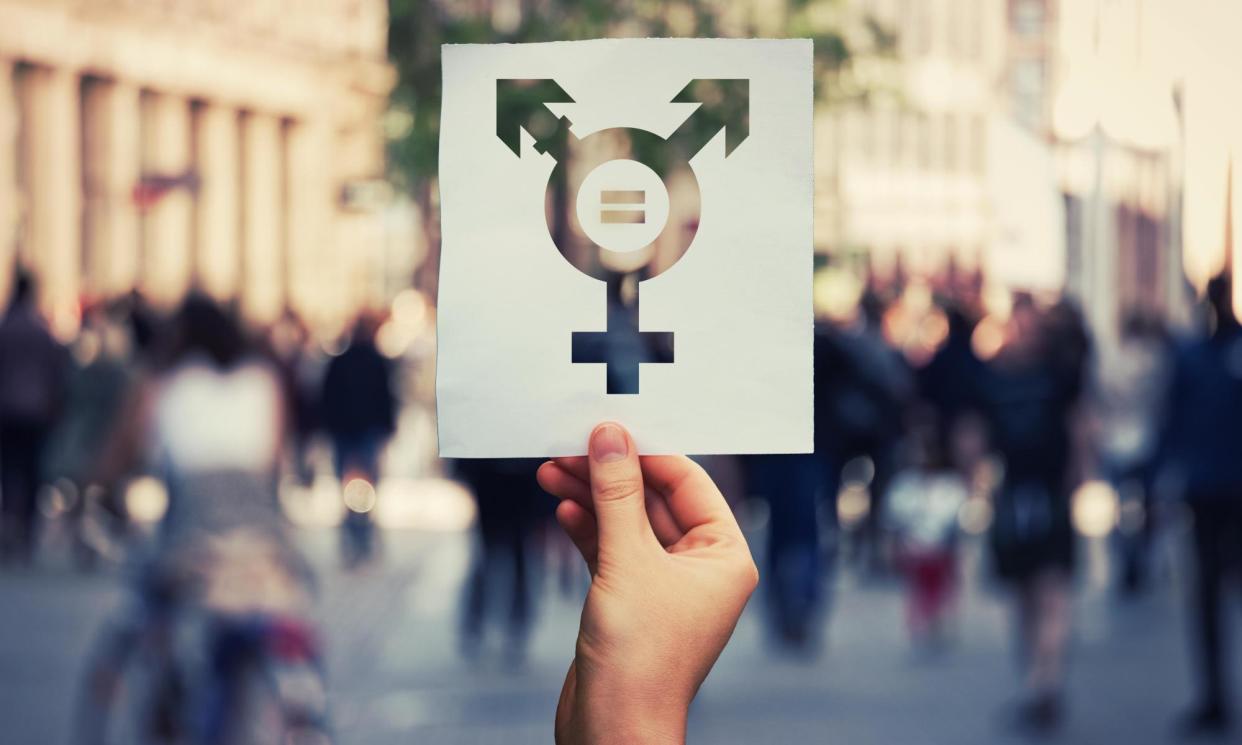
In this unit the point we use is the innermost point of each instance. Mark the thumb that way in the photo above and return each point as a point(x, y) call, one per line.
point(617, 490)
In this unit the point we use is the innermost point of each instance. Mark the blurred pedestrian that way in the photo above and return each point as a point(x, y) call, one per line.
point(801, 494)
point(923, 505)
point(1201, 449)
point(509, 507)
point(209, 419)
point(1033, 387)
point(623, 347)
point(867, 387)
point(221, 470)
point(1129, 397)
point(145, 325)
point(101, 376)
point(794, 584)
point(302, 370)
point(949, 387)
point(360, 414)
point(33, 372)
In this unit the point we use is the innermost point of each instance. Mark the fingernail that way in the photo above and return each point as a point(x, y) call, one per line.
point(608, 444)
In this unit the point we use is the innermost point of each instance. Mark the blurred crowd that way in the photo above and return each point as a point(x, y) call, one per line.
point(940, 414)
point(79, 419)
point(215, 416)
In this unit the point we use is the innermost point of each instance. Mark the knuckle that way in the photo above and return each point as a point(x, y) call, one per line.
point(752, 574)
point(744, 569)
point(617, 489)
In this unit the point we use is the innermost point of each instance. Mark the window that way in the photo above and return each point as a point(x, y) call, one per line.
point(898, 134)
point(1026, 81)
point(865, 119)
point(972, 23)
point(950, 125)
point(957, 18)
point(1027, 17)
point(978, 144)
point(924, 140)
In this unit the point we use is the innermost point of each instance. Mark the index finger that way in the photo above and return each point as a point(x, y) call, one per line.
point(692, 496)
point(576, 465)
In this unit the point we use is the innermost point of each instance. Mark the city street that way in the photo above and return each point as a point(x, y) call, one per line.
point(934, 292)
point(397, 676)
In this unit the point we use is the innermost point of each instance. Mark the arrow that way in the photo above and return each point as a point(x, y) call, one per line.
point(522, 104)
point(723, 104)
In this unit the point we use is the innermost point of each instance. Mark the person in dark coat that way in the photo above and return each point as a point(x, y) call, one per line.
point(801, 493)
point(34, 369)
point(949, 382)
point(1202, 450)
point(510, 506)
point(1031, 393)
point(864, 387)
point(359, 414)
point(359, 409)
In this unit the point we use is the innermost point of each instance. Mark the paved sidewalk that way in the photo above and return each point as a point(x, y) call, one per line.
point(1129, 676)
point(396, 675)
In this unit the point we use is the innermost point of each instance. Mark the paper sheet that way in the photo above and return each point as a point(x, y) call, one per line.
point(668, 289)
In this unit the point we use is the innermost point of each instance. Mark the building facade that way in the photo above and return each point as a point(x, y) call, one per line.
point(1119, 141)
point(901, 173)
point(1038, 140)
point(169, 145)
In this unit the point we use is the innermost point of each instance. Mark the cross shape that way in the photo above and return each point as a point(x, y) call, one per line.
point(610, 348)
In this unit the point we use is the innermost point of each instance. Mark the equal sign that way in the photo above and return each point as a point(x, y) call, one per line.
point(622, 206)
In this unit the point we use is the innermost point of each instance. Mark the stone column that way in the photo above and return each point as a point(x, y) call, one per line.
point(311, 204)
point(166, 225)
point(262, 217)
point(9, 194)
point(360, 230)
point(53, 182)
point(1234, 221)
point(217, 157)
point(111, 166)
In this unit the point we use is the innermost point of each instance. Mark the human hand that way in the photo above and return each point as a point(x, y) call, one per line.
point(670, 575)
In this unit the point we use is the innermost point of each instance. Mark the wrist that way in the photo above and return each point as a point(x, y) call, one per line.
point(639, 725)
point(637, 730)
point(621, 718)
point(646, 733)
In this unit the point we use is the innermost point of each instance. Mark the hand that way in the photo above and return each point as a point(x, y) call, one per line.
point(670, 575)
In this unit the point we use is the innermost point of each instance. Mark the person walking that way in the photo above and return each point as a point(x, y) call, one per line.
point(1031, 398)
point(34, 369)
point(923, 504)
point(864, 389)
point(509, 507)
point(1130, 386)
point(223, 582)
point(1200, 450)
point(359, 413)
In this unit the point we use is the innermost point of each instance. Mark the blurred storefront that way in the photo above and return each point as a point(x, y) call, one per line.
point(159, 146)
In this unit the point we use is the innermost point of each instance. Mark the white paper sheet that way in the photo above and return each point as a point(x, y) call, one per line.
point(738, 302)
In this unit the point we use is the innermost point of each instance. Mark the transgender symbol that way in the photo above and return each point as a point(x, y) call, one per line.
point(621, 203)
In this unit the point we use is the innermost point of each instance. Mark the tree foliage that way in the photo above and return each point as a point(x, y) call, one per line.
point(417, 28)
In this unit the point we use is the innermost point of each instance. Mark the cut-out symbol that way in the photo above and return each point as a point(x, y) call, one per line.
point(622, 204)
